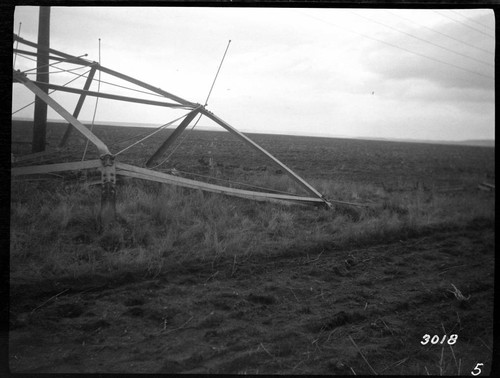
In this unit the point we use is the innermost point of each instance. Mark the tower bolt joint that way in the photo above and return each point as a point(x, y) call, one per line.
point(108, 170)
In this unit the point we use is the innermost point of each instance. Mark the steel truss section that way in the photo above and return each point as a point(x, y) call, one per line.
point(148, 174)
point(107, 164)
point(85, 92)
point(58, 167)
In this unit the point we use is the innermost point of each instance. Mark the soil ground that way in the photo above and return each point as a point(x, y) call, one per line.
point(319, 311)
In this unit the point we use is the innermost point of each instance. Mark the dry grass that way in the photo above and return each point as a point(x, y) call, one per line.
point(54, 227)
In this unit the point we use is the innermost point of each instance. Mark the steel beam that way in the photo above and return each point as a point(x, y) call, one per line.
point(58, 167)
point(72, 58)
point(32, 53)
point(102, 148)
point(171, 138)
point(78, 107)
point(108, 95)
point(112, 73)
point(290, 173)
point(148, 174)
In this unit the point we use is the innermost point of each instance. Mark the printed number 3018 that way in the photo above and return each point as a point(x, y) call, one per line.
point(435, 339)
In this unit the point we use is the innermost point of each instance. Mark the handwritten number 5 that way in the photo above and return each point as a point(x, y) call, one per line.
point(477, 369)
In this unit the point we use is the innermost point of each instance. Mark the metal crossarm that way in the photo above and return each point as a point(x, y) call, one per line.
point(59, 167)
point(103, 149)
point(78, 107)
point(77, 60)
point(290, 173)
point(147, 174)
point(172, 137)
point(109, 167)
point(85, 92)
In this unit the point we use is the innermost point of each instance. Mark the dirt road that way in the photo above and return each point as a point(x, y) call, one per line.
point(318, 311)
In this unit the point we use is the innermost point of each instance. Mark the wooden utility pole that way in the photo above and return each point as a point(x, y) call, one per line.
point(42, 75)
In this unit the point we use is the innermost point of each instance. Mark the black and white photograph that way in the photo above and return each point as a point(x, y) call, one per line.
point(255, 190)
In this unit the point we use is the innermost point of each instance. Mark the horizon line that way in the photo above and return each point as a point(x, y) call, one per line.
point(277, 132)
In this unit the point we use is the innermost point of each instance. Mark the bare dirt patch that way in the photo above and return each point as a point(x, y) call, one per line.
point(295, 313)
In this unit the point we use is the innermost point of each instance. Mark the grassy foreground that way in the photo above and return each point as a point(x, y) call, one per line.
point(55, 229)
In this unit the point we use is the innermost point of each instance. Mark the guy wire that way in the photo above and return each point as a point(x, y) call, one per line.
point(199, 117)
point(217, 74)
point(96, 102)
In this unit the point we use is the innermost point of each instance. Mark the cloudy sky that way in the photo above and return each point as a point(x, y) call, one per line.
point(412, 74)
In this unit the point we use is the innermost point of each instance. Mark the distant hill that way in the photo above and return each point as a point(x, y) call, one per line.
point(478, 142)
point(468, 142)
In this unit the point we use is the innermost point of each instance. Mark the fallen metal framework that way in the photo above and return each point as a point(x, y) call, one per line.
point(109, 167)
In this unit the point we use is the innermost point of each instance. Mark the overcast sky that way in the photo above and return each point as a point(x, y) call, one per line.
point(418, 74)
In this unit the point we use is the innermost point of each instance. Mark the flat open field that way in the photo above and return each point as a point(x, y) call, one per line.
point(187, 282)
point(383, 163)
